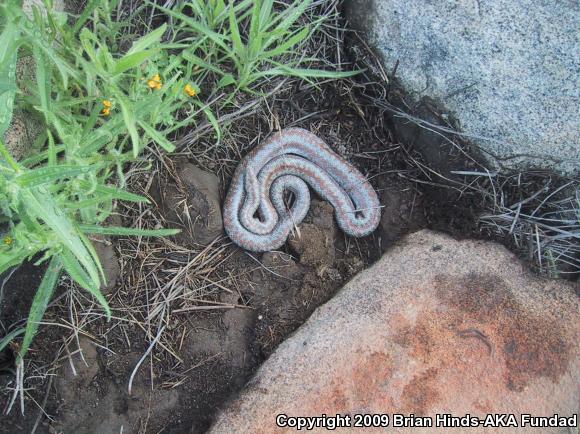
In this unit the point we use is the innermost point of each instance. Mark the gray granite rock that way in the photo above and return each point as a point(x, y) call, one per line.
point(26, 126)
point(507, 71)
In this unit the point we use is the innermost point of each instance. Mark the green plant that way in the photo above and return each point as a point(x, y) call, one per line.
point(245, 42)
point(89, 98)
point(104, 94)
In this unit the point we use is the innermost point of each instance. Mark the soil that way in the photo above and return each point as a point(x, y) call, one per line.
point(223, 310)
point(219, 350)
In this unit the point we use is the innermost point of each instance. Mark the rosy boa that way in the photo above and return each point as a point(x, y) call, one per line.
point(288, 161)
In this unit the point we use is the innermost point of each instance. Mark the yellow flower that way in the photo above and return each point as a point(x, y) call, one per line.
point(8, 241)
point(155, 82)
point(190, 90)
point(107, 107)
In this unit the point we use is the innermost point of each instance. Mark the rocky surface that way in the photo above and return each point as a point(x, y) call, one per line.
point(29, 5)
point(109, 261)
point(20, 136)
point(26, 126)
point(506, 72)
point(436, 326)
point(193, 204)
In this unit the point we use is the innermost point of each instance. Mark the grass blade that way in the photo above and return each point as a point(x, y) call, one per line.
point(85, 15)
point(9, 159)
point(157, 137)
point(148, 40)
point(295, 39)
point(197, 61)
point(45, 175)
point(76, 272)
point(41, 205)
point(198, 27)
point(8, 54)
point(214, 122)
point(116, 230)
point(51, 149)
point(117, 193)
point(235, 34)
point(130, 123)
point(39, 304)
point(131, 61)
point(9, 337)
point(43, 74)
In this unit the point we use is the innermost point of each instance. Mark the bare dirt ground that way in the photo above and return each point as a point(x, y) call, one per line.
point(192, 323)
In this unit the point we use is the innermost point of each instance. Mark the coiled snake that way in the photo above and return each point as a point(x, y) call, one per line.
point(255, 215)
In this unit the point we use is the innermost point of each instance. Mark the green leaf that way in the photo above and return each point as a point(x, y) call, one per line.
point(88, 207)
point(39, 304)
point(291, 15)
point(64, 68)
point(40, 204)
point(9, 159)
point(265, 12)
point(157, 137)
point(235, 33)
point(76, 272)
point(46, 175)
point(198, 27)
point(13, 257)
point(85, 15)
point(41, 156)
point(131, 61)
point(8, 54)
point(255, 36)
point(93, 254)
point(130, 123)
point(117, 193)
point(9, 337)
point(226, 80)
point(197, 61)
point(89, 124)
point(103, 194)
point(97, 140)
point(120, 231)
point(88, 40)
point(285, 46)
point(214, 122)
point(43, 81)
point(147, 40)
point(220, 6)
point(7, 87)
point(51, 149)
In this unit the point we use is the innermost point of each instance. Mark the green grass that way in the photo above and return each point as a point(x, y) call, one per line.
point(246, 43)
point(52, 200)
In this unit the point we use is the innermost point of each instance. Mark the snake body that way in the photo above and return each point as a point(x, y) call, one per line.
point(255, 215)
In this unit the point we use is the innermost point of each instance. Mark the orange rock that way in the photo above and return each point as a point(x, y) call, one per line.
point(437, 326)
